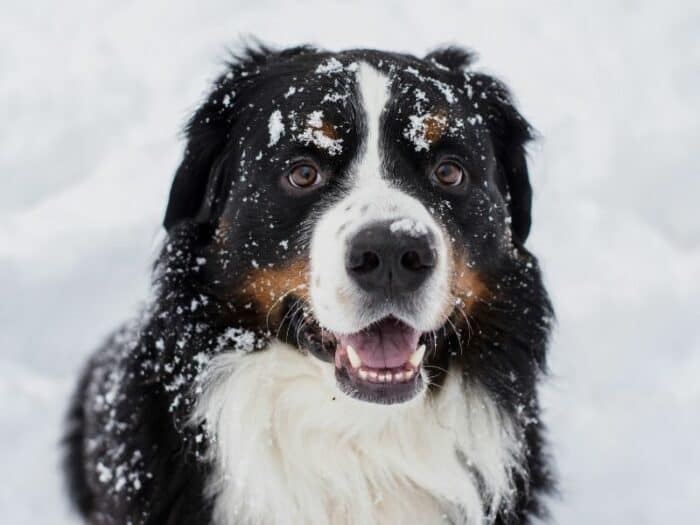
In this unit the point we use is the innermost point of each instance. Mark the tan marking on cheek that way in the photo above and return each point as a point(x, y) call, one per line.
point(466, 286)
point(268, 287)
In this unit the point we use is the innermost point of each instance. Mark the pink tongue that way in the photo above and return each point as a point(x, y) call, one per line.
point(388, 344)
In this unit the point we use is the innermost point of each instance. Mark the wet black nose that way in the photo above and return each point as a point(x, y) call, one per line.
point(391, 257)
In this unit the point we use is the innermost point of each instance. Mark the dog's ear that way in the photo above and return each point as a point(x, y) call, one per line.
point(198, 184)
point(192, 193)
point(511, 134)
point(199, 188)
point(205, 142)
point(454, 58)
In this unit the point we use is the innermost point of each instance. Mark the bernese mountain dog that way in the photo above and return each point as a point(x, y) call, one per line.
point(345, 325)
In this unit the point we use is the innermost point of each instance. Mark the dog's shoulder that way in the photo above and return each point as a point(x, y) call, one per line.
point(125, 457)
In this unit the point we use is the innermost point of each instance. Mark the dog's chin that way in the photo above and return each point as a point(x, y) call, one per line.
point(381, 363)
point(380, 393)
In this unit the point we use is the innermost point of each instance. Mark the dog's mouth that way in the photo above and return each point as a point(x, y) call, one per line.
point(381, 363)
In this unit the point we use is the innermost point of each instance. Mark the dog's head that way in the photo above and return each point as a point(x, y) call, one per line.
point(359, 205)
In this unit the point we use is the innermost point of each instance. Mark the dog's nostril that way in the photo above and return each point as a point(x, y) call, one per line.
point(411, 261)
point(414, 260)
point(365, 263)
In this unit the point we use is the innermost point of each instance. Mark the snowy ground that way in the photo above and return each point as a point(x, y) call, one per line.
point(92, 96)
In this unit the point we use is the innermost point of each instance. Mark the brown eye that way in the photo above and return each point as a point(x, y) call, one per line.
point(304, 176)
point(449, 173)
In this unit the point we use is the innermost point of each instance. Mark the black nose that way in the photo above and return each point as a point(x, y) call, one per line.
point(391, 257)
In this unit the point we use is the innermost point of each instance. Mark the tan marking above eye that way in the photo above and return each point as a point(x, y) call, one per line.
point(428, 128)
point(434, 127)
point(329, 130)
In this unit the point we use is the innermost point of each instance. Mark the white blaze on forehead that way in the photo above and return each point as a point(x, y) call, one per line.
point(374, 93)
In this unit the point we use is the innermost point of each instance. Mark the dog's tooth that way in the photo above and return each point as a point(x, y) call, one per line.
point(354, 359)
point(363, 374)
point(417, 356)
point(408, 374)
point(398, 376)
point(372, 375)
point(389, 377)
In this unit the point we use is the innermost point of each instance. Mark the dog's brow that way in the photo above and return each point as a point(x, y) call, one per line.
point(319, 131)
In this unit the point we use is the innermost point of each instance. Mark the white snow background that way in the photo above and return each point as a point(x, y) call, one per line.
point(93, 94)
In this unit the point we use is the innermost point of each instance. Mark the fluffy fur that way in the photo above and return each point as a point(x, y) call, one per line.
point(221, 403)
point(301, 453)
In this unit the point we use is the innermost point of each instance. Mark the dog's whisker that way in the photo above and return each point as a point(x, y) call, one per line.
point(288, 315)
point(457, 335)
point(459, 309)
point(298, 307)
point(279, 300)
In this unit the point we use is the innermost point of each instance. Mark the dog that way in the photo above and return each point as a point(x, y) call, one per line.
point(345, 325)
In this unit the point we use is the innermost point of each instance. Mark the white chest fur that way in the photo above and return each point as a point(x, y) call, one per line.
point(291, 449)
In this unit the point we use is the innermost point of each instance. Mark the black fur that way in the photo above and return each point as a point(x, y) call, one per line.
point(131, 454)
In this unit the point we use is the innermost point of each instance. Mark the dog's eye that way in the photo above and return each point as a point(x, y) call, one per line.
point(304, 176)
point(449, 173)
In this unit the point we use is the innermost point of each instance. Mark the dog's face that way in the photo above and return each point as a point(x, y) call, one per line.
point(357, 205)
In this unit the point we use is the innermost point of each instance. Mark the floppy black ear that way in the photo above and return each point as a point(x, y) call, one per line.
point(199, 187)
point(511, 133)
point(204, 144)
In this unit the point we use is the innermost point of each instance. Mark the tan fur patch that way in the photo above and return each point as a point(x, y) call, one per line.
point(329, 130)
point(268, 287)
point(467, 288)
point(434, 127)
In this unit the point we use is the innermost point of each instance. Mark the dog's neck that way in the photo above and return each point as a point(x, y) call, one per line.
point(289, 448)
